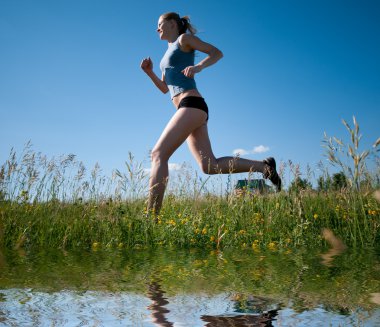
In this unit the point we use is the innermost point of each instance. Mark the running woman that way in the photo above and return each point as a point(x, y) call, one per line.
point(189, 122)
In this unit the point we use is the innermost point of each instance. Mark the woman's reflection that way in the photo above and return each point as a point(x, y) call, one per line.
point(156, 294)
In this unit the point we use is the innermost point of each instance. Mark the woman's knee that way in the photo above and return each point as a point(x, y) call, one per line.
point(158, 155)
point(209, 167)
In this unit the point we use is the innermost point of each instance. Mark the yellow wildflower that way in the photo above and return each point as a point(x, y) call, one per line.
point(256, 246)
point(272, 246)
point(212, 238)
point(257, 275)
point(204, 231)
point(315, 216)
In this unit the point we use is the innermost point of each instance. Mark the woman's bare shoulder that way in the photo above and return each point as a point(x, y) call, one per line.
point(187, 41)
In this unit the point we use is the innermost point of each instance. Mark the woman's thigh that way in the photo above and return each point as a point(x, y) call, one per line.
point(180, 126)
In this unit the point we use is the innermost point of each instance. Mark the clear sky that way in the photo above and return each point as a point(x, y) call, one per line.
point(70, 77)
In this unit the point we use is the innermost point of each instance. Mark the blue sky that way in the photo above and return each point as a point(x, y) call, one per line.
point(70, 79)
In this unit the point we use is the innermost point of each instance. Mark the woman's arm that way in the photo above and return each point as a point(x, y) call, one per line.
point(190, 42)
point(147, 66)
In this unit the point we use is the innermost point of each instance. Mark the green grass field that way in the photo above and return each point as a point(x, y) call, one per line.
point(57, 203)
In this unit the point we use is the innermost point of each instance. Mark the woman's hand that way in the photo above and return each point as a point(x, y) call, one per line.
point(190, 71)
point(147, 65)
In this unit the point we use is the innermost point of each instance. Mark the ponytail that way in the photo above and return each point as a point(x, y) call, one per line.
point(182, 23)
point(185, 21)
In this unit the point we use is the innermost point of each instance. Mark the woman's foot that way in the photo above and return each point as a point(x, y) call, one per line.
point(271, 173)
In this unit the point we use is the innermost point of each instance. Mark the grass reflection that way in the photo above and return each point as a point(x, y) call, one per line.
point(297, 279)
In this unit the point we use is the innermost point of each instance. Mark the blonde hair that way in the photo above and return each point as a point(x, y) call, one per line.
point(183, 23)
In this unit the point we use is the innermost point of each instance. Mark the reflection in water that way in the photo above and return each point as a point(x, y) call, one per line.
point(337, 247)
point(2, 314)
point(256, 305)
point(264, 320)
point(156, 294)
point(2, 260)
point(375, 298)
point(127, 288)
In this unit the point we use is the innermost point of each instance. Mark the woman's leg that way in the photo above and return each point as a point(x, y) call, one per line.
point(181, 125)
point(200, 146)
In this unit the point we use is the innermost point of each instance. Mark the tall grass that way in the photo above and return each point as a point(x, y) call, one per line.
point(58, 203)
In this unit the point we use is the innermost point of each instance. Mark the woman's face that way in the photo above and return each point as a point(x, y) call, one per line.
point(165, 28)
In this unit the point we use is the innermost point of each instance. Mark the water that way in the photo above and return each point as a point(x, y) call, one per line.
point(162, 287)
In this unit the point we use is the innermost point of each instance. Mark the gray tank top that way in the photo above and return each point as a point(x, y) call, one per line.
point(172, 63)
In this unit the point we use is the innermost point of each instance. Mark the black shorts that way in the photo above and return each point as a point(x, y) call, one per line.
point(194, 102)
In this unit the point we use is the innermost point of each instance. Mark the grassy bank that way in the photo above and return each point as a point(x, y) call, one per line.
point(57, 203)
point(277, 222)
